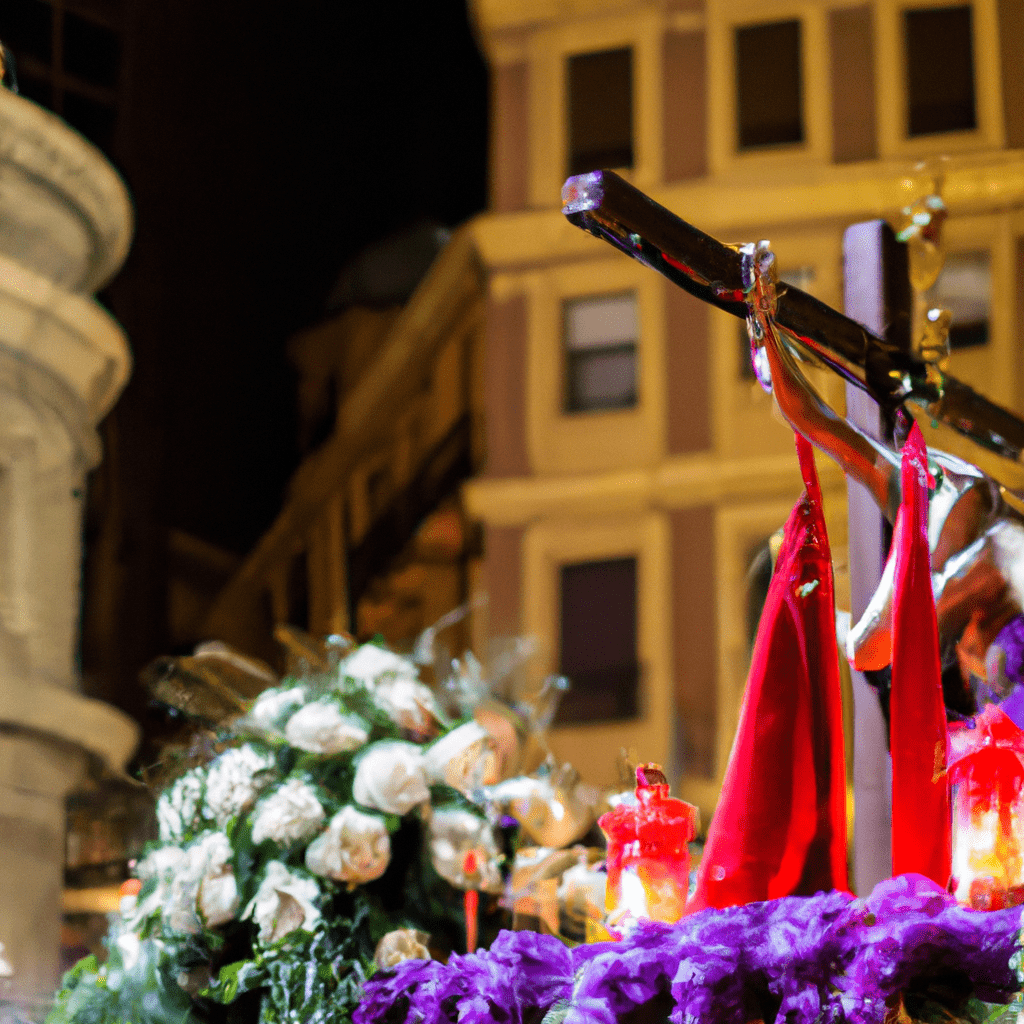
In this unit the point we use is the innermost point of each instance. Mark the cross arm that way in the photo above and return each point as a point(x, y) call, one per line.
point(610, 208)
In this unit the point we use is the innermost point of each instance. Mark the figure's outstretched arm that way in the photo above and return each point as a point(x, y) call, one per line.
point(868, 461)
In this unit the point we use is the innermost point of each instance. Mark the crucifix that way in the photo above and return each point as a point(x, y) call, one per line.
point(975, 527)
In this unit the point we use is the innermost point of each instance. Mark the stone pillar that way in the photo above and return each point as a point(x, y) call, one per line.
point(65, 226)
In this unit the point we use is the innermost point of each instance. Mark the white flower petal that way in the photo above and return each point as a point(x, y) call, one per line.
point(283, 902)
point(370, 662)
point(464, 759)
point(391, 777)
point(234, 781)
point(322, 728)
point(354, 849)
point(290, 814)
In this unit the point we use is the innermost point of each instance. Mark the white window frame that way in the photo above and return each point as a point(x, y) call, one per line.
point(891, 77)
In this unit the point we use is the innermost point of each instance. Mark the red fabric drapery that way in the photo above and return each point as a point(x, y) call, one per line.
point(780, 826)
point(917, 734)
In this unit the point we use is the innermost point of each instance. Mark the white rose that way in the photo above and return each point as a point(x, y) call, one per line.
point(401, 944)
point(370, 662)
point(234, 781)
point(409, 704)
point(290, 814)
point(203, 884)
point(390, 777)
point(453, 835)
point(272, 705)
point(322, 728)
point(354, 849)
point(464, 759)
point(283, 902)
point(179, 808)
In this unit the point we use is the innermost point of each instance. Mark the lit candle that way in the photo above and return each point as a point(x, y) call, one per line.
point(648, 851)
point(987, 776)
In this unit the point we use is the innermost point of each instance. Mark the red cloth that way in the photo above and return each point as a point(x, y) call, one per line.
point(917, 733)
point(780, 826)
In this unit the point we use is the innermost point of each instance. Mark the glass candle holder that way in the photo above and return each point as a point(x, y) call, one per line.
point(987, 781)
point(648, 850)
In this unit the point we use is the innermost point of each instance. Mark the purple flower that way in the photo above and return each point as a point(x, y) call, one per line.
point(414, 985)
point(520, 973)
point(825, 959)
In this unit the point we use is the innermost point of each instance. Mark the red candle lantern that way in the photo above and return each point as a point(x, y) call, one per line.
point(648, 851)
point(987, 776)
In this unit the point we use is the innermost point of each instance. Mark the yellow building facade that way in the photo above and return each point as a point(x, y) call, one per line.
point(751, 119)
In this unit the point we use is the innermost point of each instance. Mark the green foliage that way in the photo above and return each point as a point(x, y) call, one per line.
point(314, 977)
point(143, 992)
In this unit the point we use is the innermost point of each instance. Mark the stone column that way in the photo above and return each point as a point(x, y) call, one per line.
point(65, 226)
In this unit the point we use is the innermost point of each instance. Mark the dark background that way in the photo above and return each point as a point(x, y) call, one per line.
point(265, 144)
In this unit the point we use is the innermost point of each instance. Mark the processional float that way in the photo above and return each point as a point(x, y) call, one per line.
point(971, 520)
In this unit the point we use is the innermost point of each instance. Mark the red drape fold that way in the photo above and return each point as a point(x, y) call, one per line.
point(780, 826)
point(917, 734)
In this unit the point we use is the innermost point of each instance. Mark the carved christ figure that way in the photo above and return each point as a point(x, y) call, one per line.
point(976, 538)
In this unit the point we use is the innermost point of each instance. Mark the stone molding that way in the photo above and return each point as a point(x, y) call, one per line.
point(64, 212)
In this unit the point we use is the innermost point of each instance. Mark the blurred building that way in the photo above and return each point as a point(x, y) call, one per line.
point(372, 537)
point(66, 227)
point(634, 469)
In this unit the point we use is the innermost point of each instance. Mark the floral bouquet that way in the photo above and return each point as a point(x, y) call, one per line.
point(330, 833)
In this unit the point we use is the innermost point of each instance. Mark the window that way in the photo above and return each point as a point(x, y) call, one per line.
point(964, 288)
point(599, 641)
point(600, 335)
point(68, 61)
point(600, 108)
point(769, 103)
point(940, 70)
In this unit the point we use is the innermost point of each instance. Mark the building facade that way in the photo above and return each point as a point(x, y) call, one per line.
point(634, 468)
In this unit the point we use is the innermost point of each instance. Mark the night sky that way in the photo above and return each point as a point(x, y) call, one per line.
point(265, 145)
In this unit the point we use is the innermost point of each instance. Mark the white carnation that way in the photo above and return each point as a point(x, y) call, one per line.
point(354, 849)
point(391, 778)
point(408, 703)
point(369, 662)
point(322, 728)
point(464, 759)
point(273, 705)
point(179, 808)
point(283, 902)
point(159, 867)
point(203, 888)
point(234, 781)
point(290, 814)
point(453, 835)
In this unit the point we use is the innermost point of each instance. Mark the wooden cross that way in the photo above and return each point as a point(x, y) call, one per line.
point(872, 350)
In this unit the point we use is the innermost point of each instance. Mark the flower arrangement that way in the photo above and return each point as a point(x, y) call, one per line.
point(331, 825)
point(907, 952)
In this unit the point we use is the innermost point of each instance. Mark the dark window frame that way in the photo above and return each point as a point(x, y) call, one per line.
point(88, 104)
point(755, 134)
point(600, 690)
point(923, 70)
point(583, 111)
